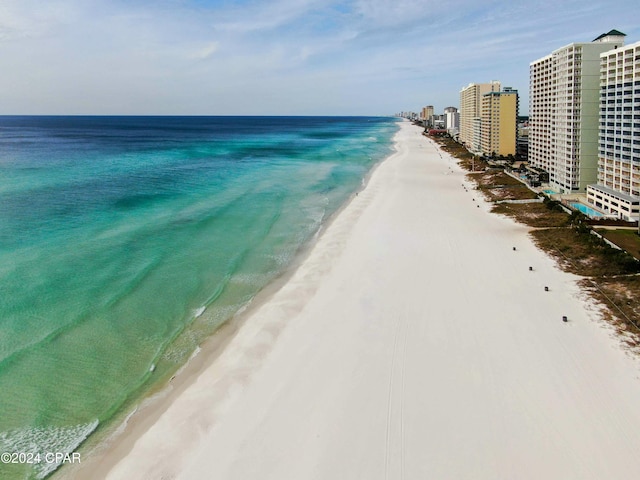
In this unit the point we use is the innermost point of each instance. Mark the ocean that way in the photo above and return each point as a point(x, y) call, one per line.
point(125, 242)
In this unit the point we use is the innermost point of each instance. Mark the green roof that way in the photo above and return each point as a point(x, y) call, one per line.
point(611, 32)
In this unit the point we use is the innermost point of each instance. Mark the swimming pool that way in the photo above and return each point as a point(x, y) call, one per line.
point(587, 210)
point(550, 192)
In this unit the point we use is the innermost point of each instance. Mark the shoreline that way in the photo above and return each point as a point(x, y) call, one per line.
point(118, 440)
point(255, 389)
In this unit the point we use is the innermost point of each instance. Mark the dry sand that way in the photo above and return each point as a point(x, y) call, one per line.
point(412, 343)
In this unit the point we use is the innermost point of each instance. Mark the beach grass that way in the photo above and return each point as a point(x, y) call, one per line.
point(626, 239)
point(610, 276)
point(621, 305)
point(581, 253)
point(467, 160)
point(536, 215)
point(496, 185)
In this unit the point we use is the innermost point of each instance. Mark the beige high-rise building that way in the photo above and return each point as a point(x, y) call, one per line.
point(618, 189)
point(563, 112)
point(426, 113)
point(499, 119)
point(470, 106)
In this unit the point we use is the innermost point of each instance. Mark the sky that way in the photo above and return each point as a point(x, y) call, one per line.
point(279, 57)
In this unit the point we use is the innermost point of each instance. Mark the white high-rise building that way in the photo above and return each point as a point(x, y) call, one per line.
point(618, 189)
point(452, 119)
point(563, 112)
point(541, 109)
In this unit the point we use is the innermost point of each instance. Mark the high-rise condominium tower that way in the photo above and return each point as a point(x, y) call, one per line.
point(563, 112)
point(618, 189)
point(470, 107)
point(426, 114)
point(499, 116)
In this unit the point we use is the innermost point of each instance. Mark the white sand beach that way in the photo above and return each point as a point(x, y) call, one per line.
point(412, 343)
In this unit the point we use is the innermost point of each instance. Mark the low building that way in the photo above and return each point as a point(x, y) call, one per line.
point(613, 202)
point(437, 132)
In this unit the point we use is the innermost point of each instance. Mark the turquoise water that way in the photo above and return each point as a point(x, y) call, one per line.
point(587, 210)
point(125, 241)
point(550, 192)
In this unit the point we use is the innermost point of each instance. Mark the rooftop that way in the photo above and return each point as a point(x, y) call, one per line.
point(615, 193)
point(610, 33)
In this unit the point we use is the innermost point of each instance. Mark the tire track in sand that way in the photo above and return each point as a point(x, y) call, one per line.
point(398, 362)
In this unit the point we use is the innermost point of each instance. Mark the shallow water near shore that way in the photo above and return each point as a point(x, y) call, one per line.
point(126, 241)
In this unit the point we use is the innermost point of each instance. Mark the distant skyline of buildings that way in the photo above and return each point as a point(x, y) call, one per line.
point(583, 126)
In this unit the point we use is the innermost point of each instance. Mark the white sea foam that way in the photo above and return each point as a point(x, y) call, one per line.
point(46, 440)
point(244, 307)
point(123, 426)
point(195, 353)
point(222, 314)
point(251, 278)
point(280, 258)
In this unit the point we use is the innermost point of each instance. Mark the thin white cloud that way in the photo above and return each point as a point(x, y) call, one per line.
point(384, 13)
point(262, 16)
point(206, 51)
point(283, 56)
point(30, 19)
